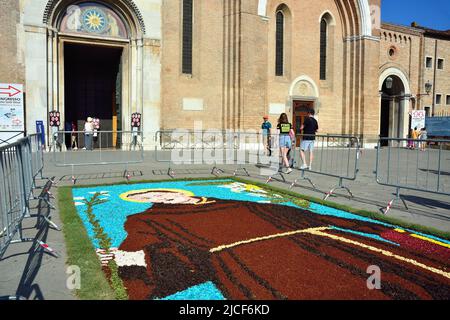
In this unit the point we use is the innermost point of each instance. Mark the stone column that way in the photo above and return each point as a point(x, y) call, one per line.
point(36, 80)
point(151, 95)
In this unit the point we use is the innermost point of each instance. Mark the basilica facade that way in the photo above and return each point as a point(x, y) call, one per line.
point(223, 64)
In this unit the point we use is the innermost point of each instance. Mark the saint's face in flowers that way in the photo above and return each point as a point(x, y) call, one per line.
point(162, 196)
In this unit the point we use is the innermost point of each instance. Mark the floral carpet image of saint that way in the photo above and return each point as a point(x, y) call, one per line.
point(186, 246)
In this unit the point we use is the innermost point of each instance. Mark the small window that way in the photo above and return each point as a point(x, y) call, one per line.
point(438, 98)
point(447, 102)
point(429, 62)
point(440, 64)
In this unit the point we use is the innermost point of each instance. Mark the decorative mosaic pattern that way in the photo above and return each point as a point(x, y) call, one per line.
point(92, 18)
point(223, 239)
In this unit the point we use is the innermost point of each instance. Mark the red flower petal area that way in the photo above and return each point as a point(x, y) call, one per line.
point(405, 240)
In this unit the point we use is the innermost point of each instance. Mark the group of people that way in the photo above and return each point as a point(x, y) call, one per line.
point(89, 134)
point(416, 135)
point(287, 138)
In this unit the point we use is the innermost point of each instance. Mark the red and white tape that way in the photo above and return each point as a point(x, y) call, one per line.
point(388, 207)
point(46, 247)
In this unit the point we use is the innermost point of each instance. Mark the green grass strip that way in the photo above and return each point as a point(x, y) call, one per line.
point(81, 252)
point(78, 186)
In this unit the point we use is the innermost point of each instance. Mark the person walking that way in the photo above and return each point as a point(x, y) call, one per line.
point(88, 132)
point(415, 136)
point(310, 128)
point(285, 131)
point(266, 127)
point(73, 143)
point(410, 139)
point(423, 137)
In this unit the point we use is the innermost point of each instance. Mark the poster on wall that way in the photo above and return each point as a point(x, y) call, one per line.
point(12, 124)
point(11, 107)
point(418, 119)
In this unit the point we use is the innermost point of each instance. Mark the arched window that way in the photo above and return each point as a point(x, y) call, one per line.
point(323, 49)
point(279, 45)
point(187, 36)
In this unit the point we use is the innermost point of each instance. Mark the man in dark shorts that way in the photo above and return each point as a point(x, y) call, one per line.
point(309, 127)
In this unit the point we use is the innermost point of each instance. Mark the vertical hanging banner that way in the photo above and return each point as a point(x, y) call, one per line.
point(54, 118)
point(11, 107)
point(136, 120)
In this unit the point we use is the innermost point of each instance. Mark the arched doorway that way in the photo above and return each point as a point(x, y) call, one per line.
point(97, 58)
point(394, 105)
point(304, 95)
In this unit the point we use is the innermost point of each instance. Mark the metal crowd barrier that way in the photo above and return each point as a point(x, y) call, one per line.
point(335, 156)
point(37, 156)
point(418, 165)
point(14, 135)
point(20, 163)
point(210, 147)
point(76, 148)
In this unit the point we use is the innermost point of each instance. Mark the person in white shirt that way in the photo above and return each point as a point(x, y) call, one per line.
point(88, 132)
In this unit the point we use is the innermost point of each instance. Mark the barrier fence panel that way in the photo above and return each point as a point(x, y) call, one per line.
point(8, 137)
point(98, 148)
point(37, 155)
point(419, 165)
point(16, 184)
point(209, 147)
point(20, 163)
point(335, 156)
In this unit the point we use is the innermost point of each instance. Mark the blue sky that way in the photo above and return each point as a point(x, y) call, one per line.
point(434, 14)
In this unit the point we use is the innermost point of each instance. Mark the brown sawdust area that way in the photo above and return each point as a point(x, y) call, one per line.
point(177, 240)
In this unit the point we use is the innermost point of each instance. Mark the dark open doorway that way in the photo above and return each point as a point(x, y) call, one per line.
point(92, 85)
point(301, 109)
point(384, 120)
point(392, 109)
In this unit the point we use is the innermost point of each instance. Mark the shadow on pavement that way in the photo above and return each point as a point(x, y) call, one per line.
point(443, 173)
point(27, 288)
point(426, 202)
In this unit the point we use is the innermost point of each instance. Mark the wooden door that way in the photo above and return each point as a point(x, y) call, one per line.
point(300, 112)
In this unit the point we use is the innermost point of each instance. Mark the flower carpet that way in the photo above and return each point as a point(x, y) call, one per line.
point(224, 239)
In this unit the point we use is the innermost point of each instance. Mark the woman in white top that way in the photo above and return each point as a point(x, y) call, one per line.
point(88, 132)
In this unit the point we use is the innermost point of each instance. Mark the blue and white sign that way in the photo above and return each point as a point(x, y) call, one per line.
point(11, 107)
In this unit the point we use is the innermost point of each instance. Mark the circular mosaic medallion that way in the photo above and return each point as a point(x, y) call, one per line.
point(94, 20)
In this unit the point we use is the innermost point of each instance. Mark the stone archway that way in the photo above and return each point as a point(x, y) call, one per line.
point(395, 93)
point(128, 39)
point(44, 59)
point(303, 96)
